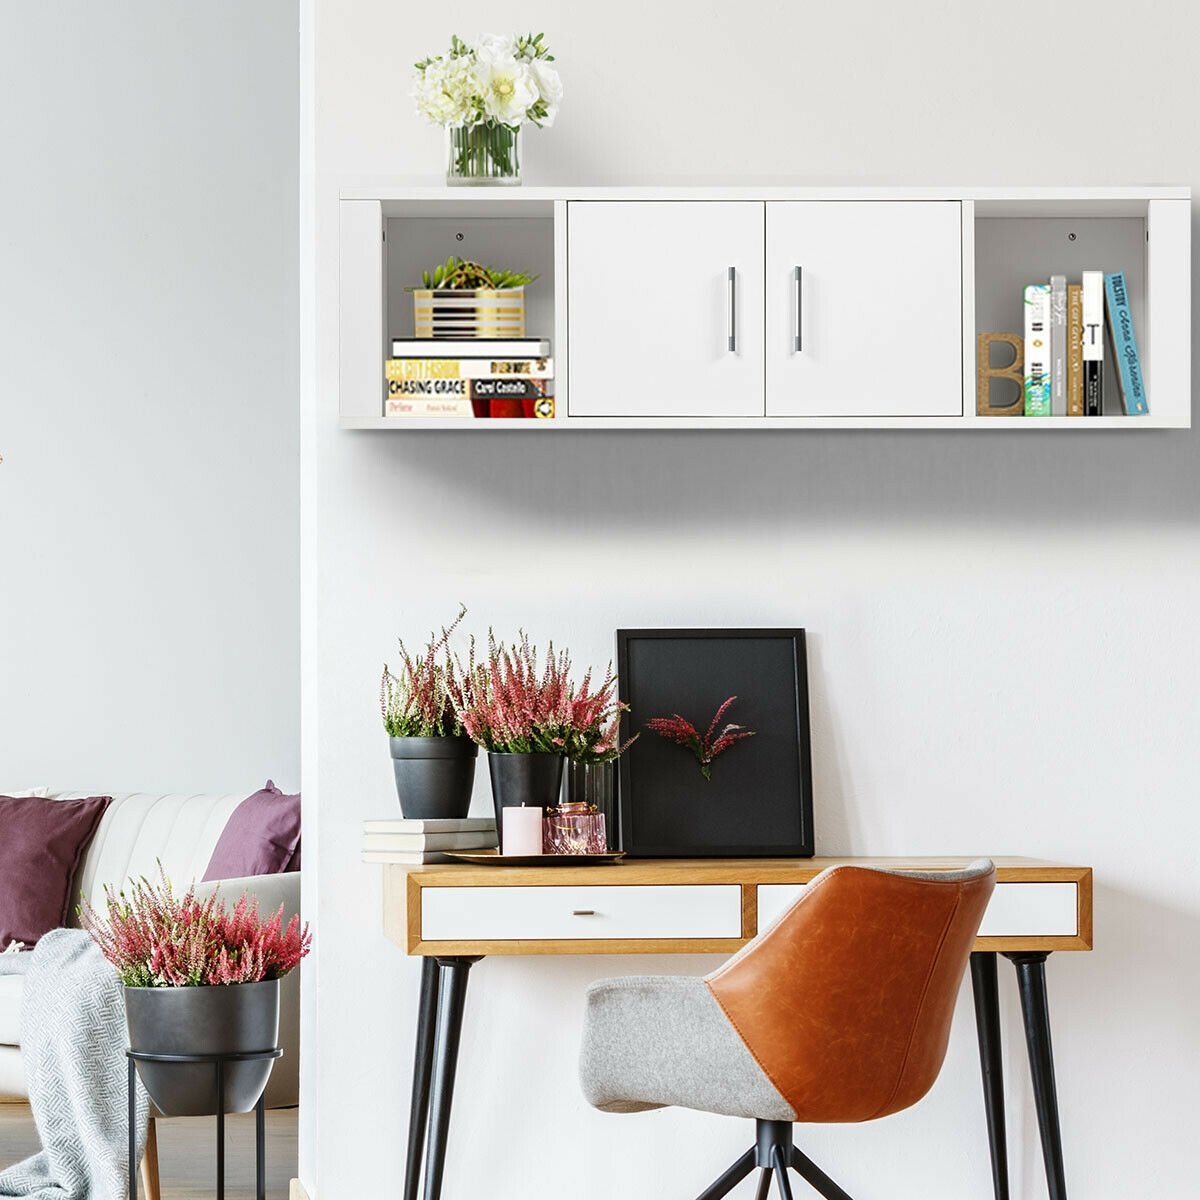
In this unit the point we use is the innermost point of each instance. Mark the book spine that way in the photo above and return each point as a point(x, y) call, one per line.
point(1058, 345)
point(1124, 344)
point(468, 368)
point(419, 406)
point(1037, 350)
point(1093, 343)
point(1074, 351)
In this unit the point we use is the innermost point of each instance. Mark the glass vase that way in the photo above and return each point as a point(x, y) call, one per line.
point(595, 784)
point(482, 155)
point(573, 829)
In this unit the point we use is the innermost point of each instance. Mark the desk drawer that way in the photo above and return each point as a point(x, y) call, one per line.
point(1015, 910)
point(461, 914)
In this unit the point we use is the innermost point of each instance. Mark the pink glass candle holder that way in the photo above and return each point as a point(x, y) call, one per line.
point(574, 829)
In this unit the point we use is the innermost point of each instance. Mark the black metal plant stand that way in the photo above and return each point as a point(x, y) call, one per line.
point(218, 1061)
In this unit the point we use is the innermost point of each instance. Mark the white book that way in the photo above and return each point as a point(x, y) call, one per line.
point(470, 347)
point(1093, 343)
point(405, 858)
point(430, 841)
point(1058, 345)
point(432, 825)
point(1037, 350)
point(452, 408)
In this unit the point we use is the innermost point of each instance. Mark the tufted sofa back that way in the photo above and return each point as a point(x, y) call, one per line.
point(139, 829)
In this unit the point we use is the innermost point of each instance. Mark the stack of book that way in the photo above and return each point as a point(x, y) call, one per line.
point(469, 378)
point(415, 842)
point(1064, 346)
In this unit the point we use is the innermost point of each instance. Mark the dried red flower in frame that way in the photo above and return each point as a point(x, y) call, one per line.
point(681, 731)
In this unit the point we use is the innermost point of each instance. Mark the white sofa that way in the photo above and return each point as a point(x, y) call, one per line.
point(136, 832)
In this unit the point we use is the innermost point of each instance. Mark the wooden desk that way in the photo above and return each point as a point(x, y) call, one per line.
point(454, 915)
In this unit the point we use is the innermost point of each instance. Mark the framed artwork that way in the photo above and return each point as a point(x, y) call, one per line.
point(722, 766)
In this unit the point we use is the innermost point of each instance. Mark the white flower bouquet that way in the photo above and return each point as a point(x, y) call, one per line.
point(482, 92)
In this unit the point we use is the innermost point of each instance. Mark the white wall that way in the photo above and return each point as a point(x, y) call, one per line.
point(1004, 653)
point(149, 537)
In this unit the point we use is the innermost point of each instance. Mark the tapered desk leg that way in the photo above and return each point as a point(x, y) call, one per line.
point(987, 1025)
point(452, 994)
point(418, 1112)
point(1035, 1008)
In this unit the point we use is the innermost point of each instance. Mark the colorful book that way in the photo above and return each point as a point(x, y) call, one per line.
point(507, 389)
point(470, 389)
point(413, 842)
point(1124, 343)
point(467, 368)
point(1093, 343)
point(1074, 350)
point(470, 347)
point(1058, 345)
point(1037, 350)
point(430, 825)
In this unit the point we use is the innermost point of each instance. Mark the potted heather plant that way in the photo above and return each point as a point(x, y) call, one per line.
point(518, 709)
point(432, 760)
point(200, 978)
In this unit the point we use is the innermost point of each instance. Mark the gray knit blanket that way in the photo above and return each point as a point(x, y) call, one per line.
point(73, 1044)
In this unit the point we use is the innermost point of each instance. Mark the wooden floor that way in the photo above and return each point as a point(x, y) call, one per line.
point(187, 1152)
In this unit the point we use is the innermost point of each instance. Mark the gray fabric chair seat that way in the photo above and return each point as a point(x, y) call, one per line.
point(659, 1040)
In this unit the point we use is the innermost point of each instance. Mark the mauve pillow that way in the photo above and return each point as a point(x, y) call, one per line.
point(41, 846)
point(260, 838)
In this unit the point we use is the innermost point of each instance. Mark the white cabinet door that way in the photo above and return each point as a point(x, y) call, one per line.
point(864, 308)
point(665, 308)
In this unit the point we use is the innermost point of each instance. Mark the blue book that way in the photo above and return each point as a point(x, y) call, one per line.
point(1124, 344)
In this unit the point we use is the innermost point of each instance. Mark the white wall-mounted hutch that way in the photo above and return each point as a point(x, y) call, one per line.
point(761, 308)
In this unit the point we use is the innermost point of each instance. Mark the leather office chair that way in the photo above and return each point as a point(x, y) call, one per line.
point(840, 1011)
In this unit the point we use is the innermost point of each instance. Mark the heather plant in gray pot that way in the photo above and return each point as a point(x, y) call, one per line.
point(200, 978)
point(432, 759)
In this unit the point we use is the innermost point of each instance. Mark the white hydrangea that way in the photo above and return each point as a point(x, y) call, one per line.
point(446, 92)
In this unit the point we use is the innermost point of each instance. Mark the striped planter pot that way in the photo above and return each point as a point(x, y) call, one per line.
point(483, 313)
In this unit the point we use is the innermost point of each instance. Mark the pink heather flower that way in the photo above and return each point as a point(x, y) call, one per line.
point(680, 730)
point(156, 939)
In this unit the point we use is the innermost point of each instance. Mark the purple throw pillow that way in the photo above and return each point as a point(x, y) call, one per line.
point(261, 837)
point(41, 846)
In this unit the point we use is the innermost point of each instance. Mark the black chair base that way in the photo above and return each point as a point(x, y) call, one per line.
point(774, 1153)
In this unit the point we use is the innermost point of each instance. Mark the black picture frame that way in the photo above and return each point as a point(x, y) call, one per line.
point(758, 802)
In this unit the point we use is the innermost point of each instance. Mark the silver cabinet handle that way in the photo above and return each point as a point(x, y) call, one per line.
point(583, 912)
point(798, 336)
point(732, 344)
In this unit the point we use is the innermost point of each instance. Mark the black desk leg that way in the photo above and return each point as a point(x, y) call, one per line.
point(220, 1130)
point(1031, 981)
point(418, 1111)
point(452, 994)
point(133, 1162)
point(260, 1148)
point(987, 1025)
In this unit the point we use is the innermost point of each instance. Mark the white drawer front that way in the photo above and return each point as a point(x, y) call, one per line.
point(1016, 909)
point(452, 914)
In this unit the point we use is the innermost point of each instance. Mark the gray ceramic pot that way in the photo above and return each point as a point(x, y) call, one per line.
point(238, 1018)
point(434, 776)
point(532, 779)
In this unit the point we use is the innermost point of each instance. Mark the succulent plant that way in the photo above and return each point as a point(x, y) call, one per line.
point(461, 274)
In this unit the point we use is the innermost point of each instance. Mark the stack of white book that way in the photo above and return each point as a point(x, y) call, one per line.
point(415, 842)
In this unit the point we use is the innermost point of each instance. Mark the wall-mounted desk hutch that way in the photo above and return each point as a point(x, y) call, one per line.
point(769, 308)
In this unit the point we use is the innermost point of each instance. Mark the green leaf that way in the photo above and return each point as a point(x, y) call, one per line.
point(425, 278)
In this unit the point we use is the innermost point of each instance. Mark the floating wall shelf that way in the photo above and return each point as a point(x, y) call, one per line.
point(683, 308)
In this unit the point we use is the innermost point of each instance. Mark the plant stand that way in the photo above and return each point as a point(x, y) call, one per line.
point(218, 1061)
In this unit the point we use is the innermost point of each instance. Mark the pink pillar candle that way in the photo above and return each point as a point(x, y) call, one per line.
point(521, 830)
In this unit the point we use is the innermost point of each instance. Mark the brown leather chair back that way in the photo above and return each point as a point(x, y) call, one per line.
point(846, 1001)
